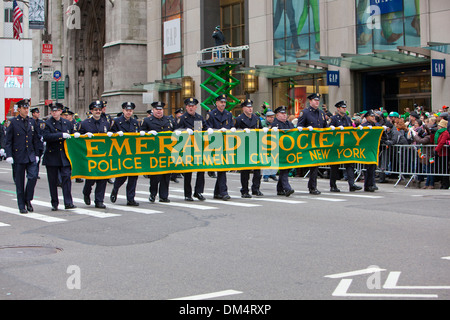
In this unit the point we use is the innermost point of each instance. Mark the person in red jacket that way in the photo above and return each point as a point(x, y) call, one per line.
point(440, 139)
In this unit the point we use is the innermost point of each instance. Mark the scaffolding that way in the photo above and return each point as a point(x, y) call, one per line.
point(219, 62)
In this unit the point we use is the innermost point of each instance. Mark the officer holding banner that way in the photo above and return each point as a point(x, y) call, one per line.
point(122, 124)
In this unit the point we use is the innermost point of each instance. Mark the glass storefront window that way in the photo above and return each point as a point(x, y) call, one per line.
point(172, 62)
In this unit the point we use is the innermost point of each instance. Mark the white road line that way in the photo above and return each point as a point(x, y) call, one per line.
point(129, 208)
point(446, 258)
point(210, 295)
point(392, 279)
point(86, 212)
point(177, 204)
point(354, 273)
point(355, 195)
point(31, 215)
point(4, 225)
point(321, 198)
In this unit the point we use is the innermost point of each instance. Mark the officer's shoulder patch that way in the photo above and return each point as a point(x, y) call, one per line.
point(301, 114)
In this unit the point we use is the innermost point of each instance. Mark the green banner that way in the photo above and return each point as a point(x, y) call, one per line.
point(103, 157)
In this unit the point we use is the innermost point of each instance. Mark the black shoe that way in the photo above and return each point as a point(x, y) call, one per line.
point(369, 189)
point(164, 200)
point(87, 200)
point(226, 197)
point(70, 206)
point(29, 206)
point(314, 192)
point(151, 198)
point(266, 179)
point(217, 196)
point(110, 181)
point(289, 192)
point(132, 203)
point(355, 188)
point(199, 196)
point(246, 195)
point(281, 193)
point(257, 193)
point(175, 180)
point(188, 199)
point(100, 205)
point(113, 196)
point(54, 208)
point(78, 180)
point(334, 189)
point(274, 178)
point(23, 211)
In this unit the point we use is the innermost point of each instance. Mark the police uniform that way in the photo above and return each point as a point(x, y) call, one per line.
point(316, 118)
point(344, 121)
point(55, 159)
point(218, 120)
point(254, 122)
point(369, 174)
point(95, 126)
point(159, 183)
point(120, 124)
point(187, 121)
point(283, 186)
point(39, 126)
point(22, 148)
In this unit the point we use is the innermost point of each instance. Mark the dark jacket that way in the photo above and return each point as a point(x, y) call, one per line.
point(22, 141)
point(218, 120)
point(55, 155)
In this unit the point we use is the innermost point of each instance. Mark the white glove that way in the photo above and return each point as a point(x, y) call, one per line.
point(66, 135)
point(210, 131)
point(37, 159)
point(332, 127)
point(360, 127)
point(153, 132)
point(76, 135)
point(177, 132)
point(142, 133)
point(223, 129)
point(233, 129)
point(10, 160)
point(300, 129)
point(247, 130)
point(120, 133)
point(109, 134)
point(189, 131)
point(275, 129)
point(89, 134)
point(341, 127)
point(2, 153)
point(265, 129)
point(385, 128)
point(370, 127)
point(310, 128)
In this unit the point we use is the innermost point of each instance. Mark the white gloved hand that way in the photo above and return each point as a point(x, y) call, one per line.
point(10, 160)
point(385, 128)
point(275, 129)
point(66, 135)
point(142, 133)
point(210, 131)
point(300, 129)
point(369, 126)
point(190, 131)
point(332, 127)
point(89, 134)
point(177, 132)
point(310, 128)
point(247, 130)
point(37, 159)
point(360, 127)
point(233, 129)
point(223, 129)
point(153, 132)
point(76, 135)
point(2, 153)
point(265, 129)
point(109, 134)
point(341, 127)
point(120, 133)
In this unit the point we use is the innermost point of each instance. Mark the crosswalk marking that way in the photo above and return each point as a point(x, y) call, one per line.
point(31, 215)
point(130, 208)
point(82, 211)
point(176, 204)
point(230, 203)
point(4, 225)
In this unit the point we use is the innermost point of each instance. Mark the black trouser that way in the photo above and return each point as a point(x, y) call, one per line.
point(100, 189)
point(334, 174)
point(25, 193)
point(220, 188)
point(283, 181)
point(256, 181)
point(53, 174)
point(131, 186)
point(369, 175)
point(160, 184)
point(312, 183)
point(199, 183)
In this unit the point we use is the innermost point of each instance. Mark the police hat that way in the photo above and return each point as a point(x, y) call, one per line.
point(247, 103)
point(218, 28)
point(180, 110)
point(35, 110)
point(222, 97)
point(270, 113)
point(369, 113)
point(23, 103)
point(55, 107)
point(96, 104)
point(341, 104)
point(128, 105)
point(313, 96)
point(191, 102)
point(414, 114)
point(281, 109)
point(159, 105)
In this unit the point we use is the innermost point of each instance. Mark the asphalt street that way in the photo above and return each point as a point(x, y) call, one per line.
point(391, 244)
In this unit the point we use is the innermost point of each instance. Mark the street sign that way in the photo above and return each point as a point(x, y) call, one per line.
point(57, 90)
point(57, 75)
point(45, 74)
point(47, 55)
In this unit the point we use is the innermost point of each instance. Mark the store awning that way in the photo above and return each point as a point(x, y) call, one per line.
point(439, 47)
point(284, 70)
point(380, 58)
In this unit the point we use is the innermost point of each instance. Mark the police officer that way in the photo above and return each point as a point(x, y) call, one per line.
point(222, 119)
point(312, 117)
point(248, 120)
point(342, 120)
point(192, 121)
point(39, 126)
point(90, 126)
point(125, 123)
point(281, 122)
point(369, 174)
point(158, 122)
point(55, 131)
point(22, 148)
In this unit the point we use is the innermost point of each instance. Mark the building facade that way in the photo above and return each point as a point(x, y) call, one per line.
point(372, 53)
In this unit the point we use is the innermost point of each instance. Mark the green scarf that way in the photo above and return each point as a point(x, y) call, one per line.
point(438, 133)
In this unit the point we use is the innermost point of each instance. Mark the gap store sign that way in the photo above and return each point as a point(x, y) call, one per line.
point(438, 68)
